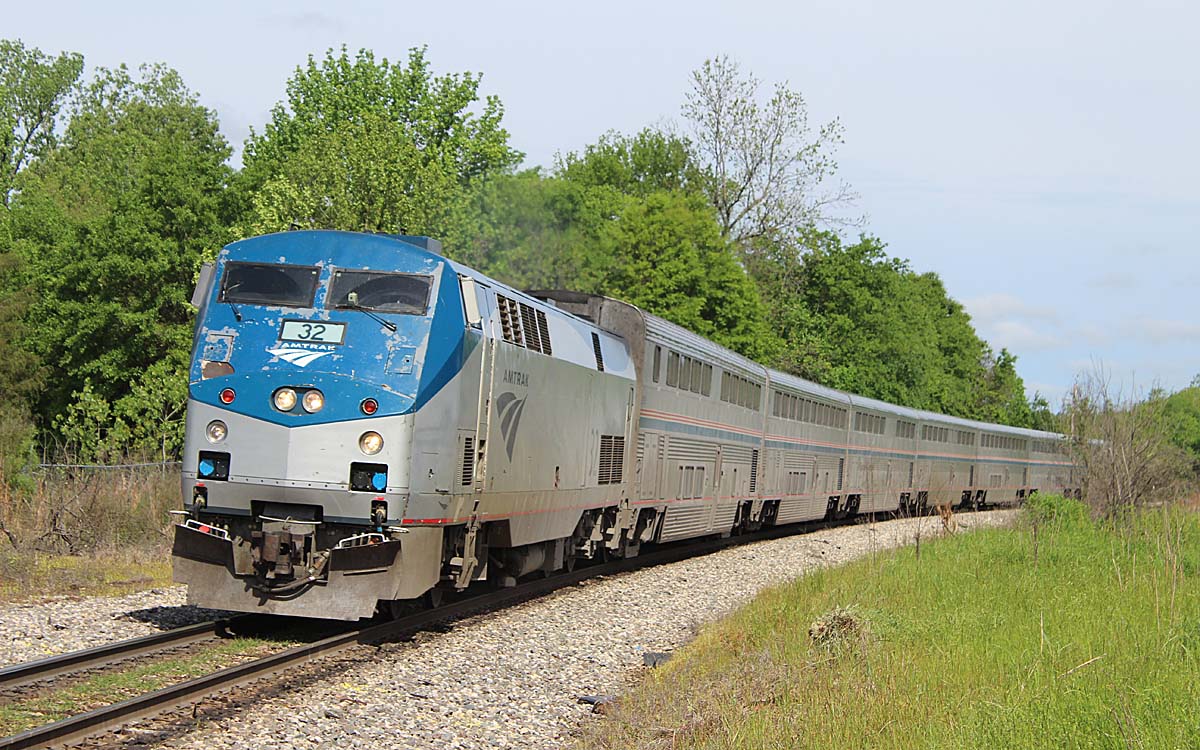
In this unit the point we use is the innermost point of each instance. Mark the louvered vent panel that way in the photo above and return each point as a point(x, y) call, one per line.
point(605, 459)
point(618, 459)
point(612, 455)
point(686, 449)
point(530, 324)
point(736, 454)
point(468, 464)
point(841, 472)
point(599, 354)
point(753, 472)
point(510, 320)
point(544, 332)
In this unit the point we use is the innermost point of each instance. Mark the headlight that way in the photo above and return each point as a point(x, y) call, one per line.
point(285, 399)
point(313, 401)
point(216, 431)
point(370, 443)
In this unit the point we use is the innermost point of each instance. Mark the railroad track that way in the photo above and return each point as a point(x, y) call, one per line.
point(19, 676)
point(76, 728)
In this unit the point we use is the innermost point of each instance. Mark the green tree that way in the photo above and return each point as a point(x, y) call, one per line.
point(1002, 395)
point(33, 89)
point(1182, 416)
point(1043, 418)
point(374, 146)
point(625, 218)
point(113, 224)
point(648, 162)
point(543, 232)
point(671, 260)
point(852, 317)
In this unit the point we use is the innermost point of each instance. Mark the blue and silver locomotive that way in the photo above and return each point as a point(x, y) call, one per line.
point(370, 424)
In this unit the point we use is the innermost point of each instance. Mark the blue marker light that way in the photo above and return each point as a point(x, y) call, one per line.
point(206, 468)
point(379, 481)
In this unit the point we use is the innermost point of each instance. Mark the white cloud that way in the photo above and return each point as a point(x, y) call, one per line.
point(1094, 334)
point(1118, 281)
point(1164, 331)
point(308, 20)
point(994, 308)
point(1018, 337)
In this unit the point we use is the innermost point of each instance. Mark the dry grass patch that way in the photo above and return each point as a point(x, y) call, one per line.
point(87, 532)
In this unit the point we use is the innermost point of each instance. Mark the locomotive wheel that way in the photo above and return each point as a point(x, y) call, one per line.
point(434, 597)
point(397, 608)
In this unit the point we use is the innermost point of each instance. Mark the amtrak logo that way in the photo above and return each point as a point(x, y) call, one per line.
point(509, 407)
point(298, 357)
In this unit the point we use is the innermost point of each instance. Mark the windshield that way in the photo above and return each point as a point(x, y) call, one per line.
point(269, 284)
point(404, 293)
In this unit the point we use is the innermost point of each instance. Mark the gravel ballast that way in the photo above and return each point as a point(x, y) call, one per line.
point(62, 624)
point(507, 679)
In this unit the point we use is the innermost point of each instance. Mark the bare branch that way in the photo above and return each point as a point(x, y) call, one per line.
point(768, 171)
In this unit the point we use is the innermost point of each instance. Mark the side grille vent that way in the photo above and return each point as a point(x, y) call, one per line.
point(544, 332)
point(468, 464)
point(510, 320)
point(841, 471)
point(530, 323)
point(753, 472)
point(599, 354)
point(524, 325)
point(612, 459)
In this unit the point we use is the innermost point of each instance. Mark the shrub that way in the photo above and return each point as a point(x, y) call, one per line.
point(1048, 509)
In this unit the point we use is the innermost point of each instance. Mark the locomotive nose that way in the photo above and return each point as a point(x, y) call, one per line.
point(307, 451)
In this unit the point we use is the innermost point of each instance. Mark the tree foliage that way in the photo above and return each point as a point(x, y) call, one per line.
point(671, 260)
point(374, 146)
point(112, 225)
point(648, 162)
point(33, 88)
point(854, 318)
point(1182, 417)
point(626, 218)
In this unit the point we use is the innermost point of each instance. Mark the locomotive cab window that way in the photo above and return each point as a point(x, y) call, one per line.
point(401, 293)
point(269, 284)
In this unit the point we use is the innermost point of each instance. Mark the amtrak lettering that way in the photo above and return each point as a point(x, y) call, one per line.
point(516, 377)
point(509, 407)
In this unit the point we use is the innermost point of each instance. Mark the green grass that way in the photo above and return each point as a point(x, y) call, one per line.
point(112, 687)
point(1055, 634)
point(35, 575)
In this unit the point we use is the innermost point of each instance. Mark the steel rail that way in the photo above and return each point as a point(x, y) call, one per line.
point(82, 726)
point(19, 675)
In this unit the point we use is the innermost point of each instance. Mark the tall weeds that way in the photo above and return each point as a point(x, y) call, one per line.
point(1121, 446)
point(74, 510)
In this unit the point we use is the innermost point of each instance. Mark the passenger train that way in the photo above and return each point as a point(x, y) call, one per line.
point(371, 424)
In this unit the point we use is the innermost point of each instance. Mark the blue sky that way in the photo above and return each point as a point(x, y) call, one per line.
point(1040, 157)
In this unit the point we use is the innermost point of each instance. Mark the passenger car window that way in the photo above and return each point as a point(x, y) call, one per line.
point(403, 293)
point(269, 284)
